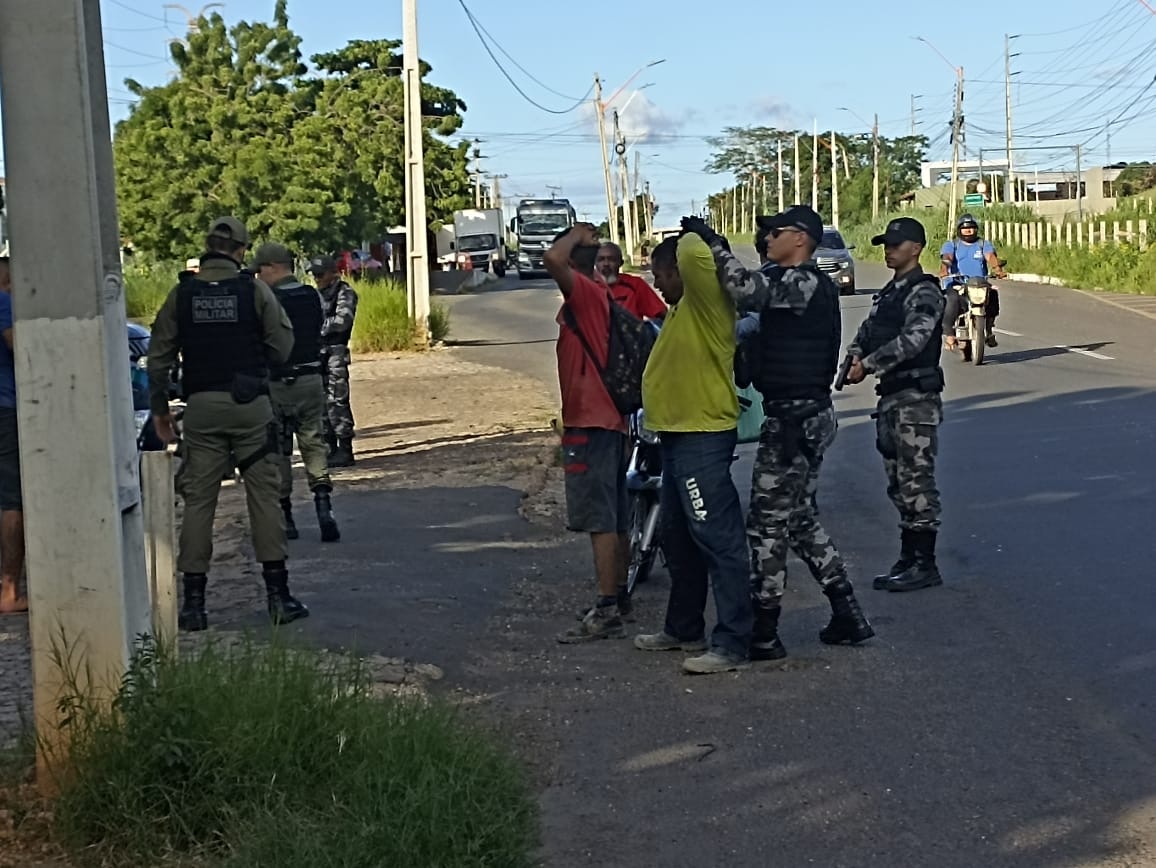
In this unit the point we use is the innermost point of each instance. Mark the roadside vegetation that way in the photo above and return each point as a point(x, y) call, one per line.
point(382, 324)
point(1111, 267)
point(262, 755)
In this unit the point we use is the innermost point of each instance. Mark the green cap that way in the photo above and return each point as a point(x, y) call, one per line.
point(230, 228)
point(270, 254)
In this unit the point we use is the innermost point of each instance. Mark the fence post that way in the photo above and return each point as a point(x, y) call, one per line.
point(1068, 234)
point(160, 533)
point(1103, 232)
point(1144, 234)
point(1079, 234)
point(1128, 226)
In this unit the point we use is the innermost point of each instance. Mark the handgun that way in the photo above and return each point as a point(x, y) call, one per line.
point(844, 370)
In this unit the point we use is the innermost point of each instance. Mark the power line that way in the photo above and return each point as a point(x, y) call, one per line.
point(134, 51)
point(477, 30)
point(138, 11)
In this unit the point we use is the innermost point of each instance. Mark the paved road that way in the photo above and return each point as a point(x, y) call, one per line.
point(1005, 719)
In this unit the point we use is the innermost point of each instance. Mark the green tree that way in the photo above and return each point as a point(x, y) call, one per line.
point(314, 160)
point(753, 152)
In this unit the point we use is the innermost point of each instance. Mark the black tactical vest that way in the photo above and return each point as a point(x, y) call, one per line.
point(302, 305)
point(887, 321)
point(219, 332)
point(798, 355)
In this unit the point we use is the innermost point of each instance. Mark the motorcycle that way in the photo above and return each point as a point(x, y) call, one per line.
point(971, 326)
point(643, 482)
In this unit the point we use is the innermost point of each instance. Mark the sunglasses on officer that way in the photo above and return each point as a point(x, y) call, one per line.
point(775, 233)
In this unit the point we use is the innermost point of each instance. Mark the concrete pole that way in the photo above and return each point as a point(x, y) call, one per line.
point(780, 162)
point(636, 221)
point(795, 171)
point(416, 221)
point(88, 588)
point(815, 167)
point(956, 131)
point(611, 206)
point(834, 180)
point(875, 170)
point(624, 183)
point(1007, 98)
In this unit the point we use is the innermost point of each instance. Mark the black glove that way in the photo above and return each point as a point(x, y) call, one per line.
point(699, 227)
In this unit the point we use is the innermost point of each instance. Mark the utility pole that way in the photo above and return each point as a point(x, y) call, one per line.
point(779, 156)
point(496, 190)
point(635, 191)
point(875, 170)
point(914, 112)
point(620, 150)
point(1010, 187)
point(477, 176)
point(795, 171)
point(611, 209)
point(1079, 184)
point(416, 222)
point(834, 180)
point(956, 134)
point(648, 214)
point(815, 167)
point(87, 585)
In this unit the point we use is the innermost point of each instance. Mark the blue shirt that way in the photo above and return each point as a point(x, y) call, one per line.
point(7, 361)
point(970, 256)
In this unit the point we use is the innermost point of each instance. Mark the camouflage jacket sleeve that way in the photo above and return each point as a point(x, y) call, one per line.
point(755, 290)
point(924, 313)
point(340, 312)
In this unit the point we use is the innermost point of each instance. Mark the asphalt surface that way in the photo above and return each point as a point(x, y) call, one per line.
point(1004, 719)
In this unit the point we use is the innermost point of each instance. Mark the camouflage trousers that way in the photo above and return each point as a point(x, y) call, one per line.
point(335, 372)
point(907, 436)
point(299, 406)
point(783, 516)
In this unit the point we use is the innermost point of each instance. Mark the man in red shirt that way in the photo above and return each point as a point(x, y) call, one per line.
point(594, 440)
point(633, 293)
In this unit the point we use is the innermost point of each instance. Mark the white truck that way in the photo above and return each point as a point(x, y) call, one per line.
point(480, 240)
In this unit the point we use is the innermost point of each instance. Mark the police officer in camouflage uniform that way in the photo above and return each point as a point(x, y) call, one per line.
point(900, 342)
point(340, 307)
point(793, 362)
point(297, 391)
point(227, 327)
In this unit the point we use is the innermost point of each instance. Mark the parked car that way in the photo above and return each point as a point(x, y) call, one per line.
point(834, 257)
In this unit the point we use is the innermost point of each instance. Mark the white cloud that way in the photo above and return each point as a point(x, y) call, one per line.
point(639, 119)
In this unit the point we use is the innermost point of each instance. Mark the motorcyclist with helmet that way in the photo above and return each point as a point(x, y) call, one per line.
point(968, 255)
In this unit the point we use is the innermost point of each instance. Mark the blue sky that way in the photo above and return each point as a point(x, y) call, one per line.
point(1080, 66)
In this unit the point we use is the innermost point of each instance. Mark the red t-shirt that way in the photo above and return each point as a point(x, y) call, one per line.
point(585, 401)
point(638, 297)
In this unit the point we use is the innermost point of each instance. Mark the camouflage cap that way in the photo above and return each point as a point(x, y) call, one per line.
point(230, 228)
point(270, 253)
point(322, 265)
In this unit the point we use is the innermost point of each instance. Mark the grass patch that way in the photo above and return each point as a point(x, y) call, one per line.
point(265, 756)
point(1116, 268)
point(383, 323)
point(145, 289)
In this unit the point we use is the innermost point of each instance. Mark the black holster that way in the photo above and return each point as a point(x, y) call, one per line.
point(247, 388)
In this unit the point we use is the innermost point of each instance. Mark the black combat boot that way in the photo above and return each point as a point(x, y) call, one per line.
point(331, 442)
point(325, 519)
point(290, 525)
point(906, 559)
point(848, 623)
point(343, 456)
point(193, 617)
point(923, 572)
point(765, 642)
point(283, 608)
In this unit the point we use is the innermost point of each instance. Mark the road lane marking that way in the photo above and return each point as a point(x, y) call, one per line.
point(1089, 353)
point(1006, 332)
